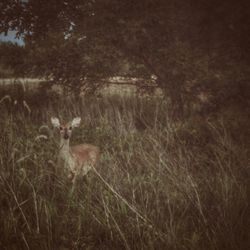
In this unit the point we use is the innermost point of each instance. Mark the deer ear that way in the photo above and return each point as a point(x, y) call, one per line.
point(76, 122)
point(55, 122)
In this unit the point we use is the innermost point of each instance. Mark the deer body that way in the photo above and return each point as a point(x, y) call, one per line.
point(78, 159)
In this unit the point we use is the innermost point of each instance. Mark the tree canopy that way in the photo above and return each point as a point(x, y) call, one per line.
point(189, 45)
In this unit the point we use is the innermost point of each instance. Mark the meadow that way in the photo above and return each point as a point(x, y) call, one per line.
point(160, 184)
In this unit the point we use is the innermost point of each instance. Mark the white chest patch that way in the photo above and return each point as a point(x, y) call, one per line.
point(70, 164)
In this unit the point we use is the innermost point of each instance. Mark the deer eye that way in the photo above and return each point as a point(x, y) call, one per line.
point(61, 128)
point(70, 128)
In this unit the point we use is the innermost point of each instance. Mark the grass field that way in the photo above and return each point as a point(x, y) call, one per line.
point(159, 184)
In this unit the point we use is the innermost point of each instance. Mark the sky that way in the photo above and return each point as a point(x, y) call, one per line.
point(11, 38)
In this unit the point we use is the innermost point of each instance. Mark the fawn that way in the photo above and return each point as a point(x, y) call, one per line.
point(78, 159)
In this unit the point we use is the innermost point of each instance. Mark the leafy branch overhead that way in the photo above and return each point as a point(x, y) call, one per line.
point(190, 46)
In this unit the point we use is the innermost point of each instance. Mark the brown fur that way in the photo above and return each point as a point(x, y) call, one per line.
point(85, 153)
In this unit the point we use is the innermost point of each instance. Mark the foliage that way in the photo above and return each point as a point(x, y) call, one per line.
point(12, 60)
point(193, 47)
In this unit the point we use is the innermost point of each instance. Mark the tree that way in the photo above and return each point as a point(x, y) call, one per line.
point(12, 60)
point(189, 45)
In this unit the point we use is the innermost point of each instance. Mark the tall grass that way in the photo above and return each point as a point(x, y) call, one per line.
point(159, 184)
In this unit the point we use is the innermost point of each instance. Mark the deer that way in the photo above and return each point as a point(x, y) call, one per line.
point(79, 159)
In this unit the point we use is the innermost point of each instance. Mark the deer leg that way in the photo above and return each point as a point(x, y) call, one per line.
point(73, 181)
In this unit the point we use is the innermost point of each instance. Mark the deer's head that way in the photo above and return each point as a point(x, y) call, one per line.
point(66, 130)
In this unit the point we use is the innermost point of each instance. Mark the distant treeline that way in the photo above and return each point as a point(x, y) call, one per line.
point(194, 48)
point(13, 61)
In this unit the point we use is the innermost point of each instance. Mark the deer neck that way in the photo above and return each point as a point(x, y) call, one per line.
point(64, 148)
